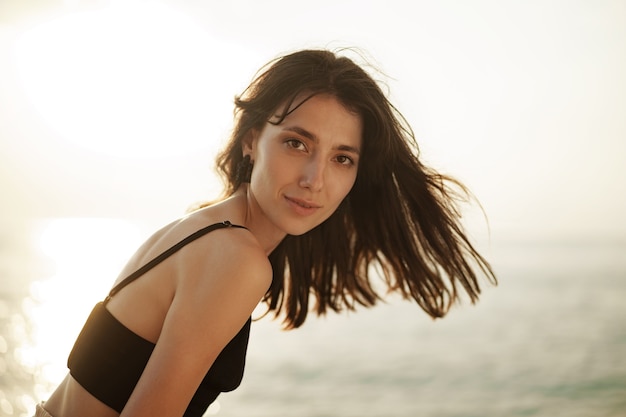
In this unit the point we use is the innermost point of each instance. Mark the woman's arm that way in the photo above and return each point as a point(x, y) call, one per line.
point(218, 287)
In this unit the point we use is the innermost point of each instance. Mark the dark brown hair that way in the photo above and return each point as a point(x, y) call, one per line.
point(400, 221)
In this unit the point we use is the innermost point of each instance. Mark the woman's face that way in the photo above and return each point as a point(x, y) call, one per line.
point(305, 166)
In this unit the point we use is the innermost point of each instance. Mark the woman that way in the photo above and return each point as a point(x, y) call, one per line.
point(323, 182)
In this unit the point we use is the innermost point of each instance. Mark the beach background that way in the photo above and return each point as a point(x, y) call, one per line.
point(111, 112)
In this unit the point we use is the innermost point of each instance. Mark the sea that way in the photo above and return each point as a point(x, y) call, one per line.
point(549, 340)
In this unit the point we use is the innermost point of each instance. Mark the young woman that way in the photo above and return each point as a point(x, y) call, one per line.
point(324, 188)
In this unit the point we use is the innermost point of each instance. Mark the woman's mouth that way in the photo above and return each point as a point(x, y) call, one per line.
point(303, 207)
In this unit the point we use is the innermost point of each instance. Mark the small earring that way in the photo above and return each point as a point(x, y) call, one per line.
point(244, 170)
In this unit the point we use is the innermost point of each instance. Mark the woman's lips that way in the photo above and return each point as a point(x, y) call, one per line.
point(303, 207)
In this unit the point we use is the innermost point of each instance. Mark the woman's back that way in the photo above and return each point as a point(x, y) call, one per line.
point(140, 310)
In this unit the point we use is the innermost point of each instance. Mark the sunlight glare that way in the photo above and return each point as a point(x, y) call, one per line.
point(87, 254)
point(129, 80)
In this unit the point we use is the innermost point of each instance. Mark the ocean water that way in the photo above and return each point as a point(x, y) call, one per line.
point(549, 341)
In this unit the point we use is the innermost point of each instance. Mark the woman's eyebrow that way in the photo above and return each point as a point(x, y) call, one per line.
point(312, 137)
point(302, 132)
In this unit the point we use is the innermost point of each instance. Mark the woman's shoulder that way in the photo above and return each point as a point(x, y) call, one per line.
point(227, 250)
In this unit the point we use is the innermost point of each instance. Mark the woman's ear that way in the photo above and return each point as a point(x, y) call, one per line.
point(249, 142)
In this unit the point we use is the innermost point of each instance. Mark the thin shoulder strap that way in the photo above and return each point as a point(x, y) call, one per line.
point(166, 254)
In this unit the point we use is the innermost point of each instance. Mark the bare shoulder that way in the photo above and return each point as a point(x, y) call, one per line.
point(229, 253)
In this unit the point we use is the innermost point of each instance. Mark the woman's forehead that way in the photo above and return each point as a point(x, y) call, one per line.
point(291, 105)
point(323, 117)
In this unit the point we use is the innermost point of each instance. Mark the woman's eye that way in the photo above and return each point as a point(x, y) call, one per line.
point(295, 144)
point(344, 160)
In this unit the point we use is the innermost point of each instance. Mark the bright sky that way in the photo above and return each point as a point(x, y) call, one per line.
point(116, 108)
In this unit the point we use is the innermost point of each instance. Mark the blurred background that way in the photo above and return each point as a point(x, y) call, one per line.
point(111, 113)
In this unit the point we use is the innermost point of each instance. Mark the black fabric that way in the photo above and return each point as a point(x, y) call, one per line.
point(108, 359)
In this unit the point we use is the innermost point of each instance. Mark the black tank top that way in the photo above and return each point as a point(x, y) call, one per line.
point(108, 359)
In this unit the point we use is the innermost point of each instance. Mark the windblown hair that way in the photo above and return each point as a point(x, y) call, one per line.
point(400, 221)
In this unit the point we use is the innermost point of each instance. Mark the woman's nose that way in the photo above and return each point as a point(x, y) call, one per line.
point(313, 175)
